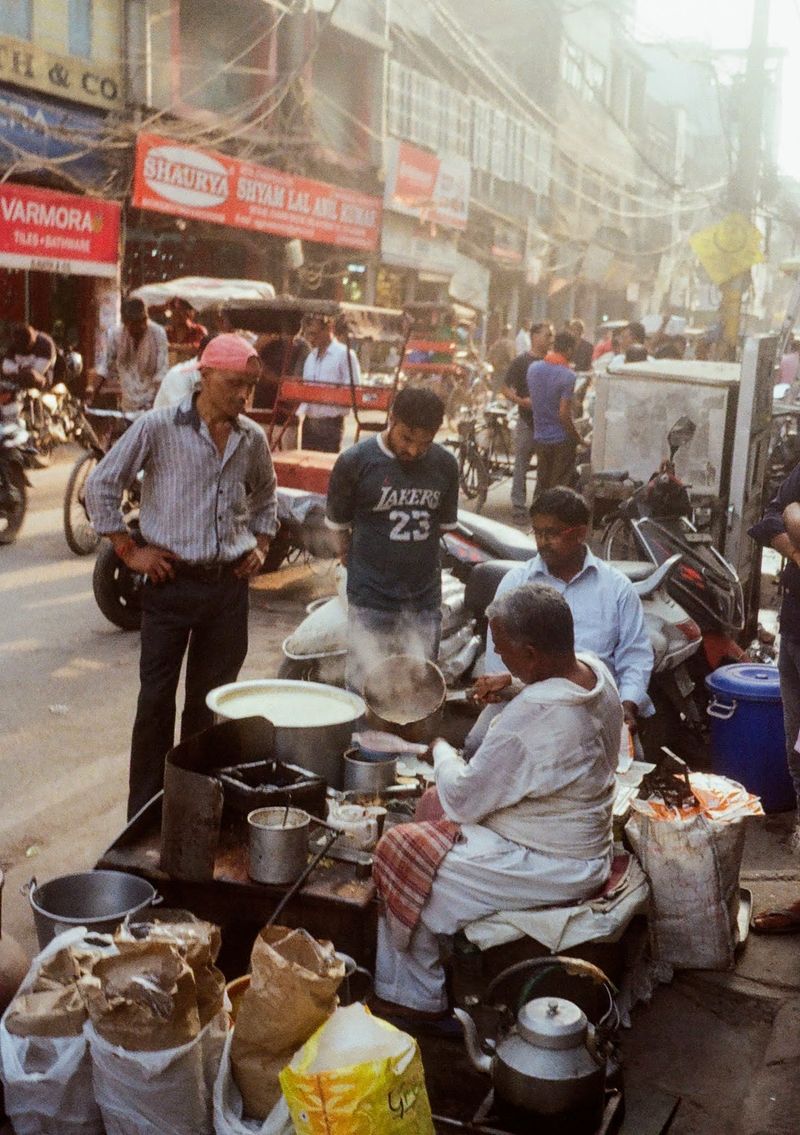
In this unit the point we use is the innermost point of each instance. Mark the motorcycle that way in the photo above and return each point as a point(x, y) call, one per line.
point(301, 532)
point(16, 455)
point(654, 524)
point(475, 558)
point(53, 415)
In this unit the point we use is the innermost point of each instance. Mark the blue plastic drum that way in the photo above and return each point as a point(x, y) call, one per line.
point(747, 737)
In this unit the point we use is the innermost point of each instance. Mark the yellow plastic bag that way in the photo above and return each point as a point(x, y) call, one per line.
point(357, 1075)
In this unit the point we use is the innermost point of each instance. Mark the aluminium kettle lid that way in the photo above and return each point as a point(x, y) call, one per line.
point(552, 1022)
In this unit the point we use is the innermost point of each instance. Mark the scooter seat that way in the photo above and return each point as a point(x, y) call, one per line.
point(482, 583)
point(635, 570)
point(500, 540)
point(610, 475)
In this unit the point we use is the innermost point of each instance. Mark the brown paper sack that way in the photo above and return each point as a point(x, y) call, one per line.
point(145, 998)
point(198, 942)
point(292, 991)
point(53, 1006)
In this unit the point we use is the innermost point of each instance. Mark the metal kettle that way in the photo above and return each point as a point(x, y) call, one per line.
point(551, 1063)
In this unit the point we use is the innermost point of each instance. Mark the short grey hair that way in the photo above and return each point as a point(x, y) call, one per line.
point(535, 615)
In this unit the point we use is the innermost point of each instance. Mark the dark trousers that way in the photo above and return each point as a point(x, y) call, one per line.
point(324, 434)
point(209, 618)
point(789, 670)
point(555, 465)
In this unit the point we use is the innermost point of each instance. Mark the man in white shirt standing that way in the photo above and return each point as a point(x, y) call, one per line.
point(522, 343)
point(332, 362)
point(137, 356)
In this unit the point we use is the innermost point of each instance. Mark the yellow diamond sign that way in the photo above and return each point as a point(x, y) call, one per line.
point(728, 248)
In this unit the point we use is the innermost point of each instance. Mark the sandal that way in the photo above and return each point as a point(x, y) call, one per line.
point(780, 921)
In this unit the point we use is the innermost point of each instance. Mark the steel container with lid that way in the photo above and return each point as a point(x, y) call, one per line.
point(748, 743)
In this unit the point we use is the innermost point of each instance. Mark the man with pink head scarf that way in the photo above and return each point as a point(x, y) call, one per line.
point(208, 513)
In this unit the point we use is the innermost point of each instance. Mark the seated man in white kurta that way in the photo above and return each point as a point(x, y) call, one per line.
point(534, 804)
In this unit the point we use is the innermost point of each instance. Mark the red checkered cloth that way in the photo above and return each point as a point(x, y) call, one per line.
point(405, 865)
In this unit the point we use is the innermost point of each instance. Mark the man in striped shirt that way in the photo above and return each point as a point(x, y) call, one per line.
point(208, 513)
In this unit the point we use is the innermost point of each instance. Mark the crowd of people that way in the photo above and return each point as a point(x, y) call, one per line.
point(522, 817)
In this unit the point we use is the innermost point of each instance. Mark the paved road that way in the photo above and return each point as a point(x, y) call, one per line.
point(68, 685)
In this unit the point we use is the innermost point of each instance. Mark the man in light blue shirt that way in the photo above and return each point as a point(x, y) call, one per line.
point(607, 612)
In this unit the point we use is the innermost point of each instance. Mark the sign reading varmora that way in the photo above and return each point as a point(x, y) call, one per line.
point(187, 182)
point(43, 230)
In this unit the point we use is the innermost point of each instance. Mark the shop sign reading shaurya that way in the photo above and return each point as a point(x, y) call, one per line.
point(46, 231)
point(208, 186)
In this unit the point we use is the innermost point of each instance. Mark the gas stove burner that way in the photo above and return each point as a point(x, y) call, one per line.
point(487, 1121)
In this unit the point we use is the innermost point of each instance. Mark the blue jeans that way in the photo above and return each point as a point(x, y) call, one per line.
point(211, 620)
point(789, 670)
point(523, 452)
point(374, 635)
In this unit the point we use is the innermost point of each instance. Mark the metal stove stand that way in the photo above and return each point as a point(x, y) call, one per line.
point(485, 1121)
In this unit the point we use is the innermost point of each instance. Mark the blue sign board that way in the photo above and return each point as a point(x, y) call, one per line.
point(38, 127)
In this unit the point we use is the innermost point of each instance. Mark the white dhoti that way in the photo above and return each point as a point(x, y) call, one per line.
point(481, 874)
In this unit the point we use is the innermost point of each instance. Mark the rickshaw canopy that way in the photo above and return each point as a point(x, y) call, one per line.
point(203, 292)
point(284, 315)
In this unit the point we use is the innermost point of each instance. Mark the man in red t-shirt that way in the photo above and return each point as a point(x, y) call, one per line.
point(183, 334)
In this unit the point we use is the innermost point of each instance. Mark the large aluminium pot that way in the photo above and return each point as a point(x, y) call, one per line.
point(99, 900)
point(313, 722)
point(405, 695)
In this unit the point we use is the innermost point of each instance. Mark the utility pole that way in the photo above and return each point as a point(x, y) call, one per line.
point(746, 175)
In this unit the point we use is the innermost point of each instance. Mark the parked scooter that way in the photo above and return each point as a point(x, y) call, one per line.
point(16, 455)
point(655, 524)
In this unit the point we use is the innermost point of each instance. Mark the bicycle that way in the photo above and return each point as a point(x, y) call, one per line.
point(97, 439)
point(485, 450)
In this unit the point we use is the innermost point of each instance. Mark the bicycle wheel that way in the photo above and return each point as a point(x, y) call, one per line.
point(81, 536)
point(618, 542)
point(473, 473)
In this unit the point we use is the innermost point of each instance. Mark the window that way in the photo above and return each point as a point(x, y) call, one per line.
point(425, 110)
point(499, 164)
point(537, 161)
point(569, 180)
point(583, 73)
point(80, 28)
point(454, 123)
point(481, 134)
point(417, 107)
point(15, 18)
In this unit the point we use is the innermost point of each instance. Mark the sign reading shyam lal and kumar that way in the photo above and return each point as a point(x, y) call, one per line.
point(46, 231)
point(209, 186)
